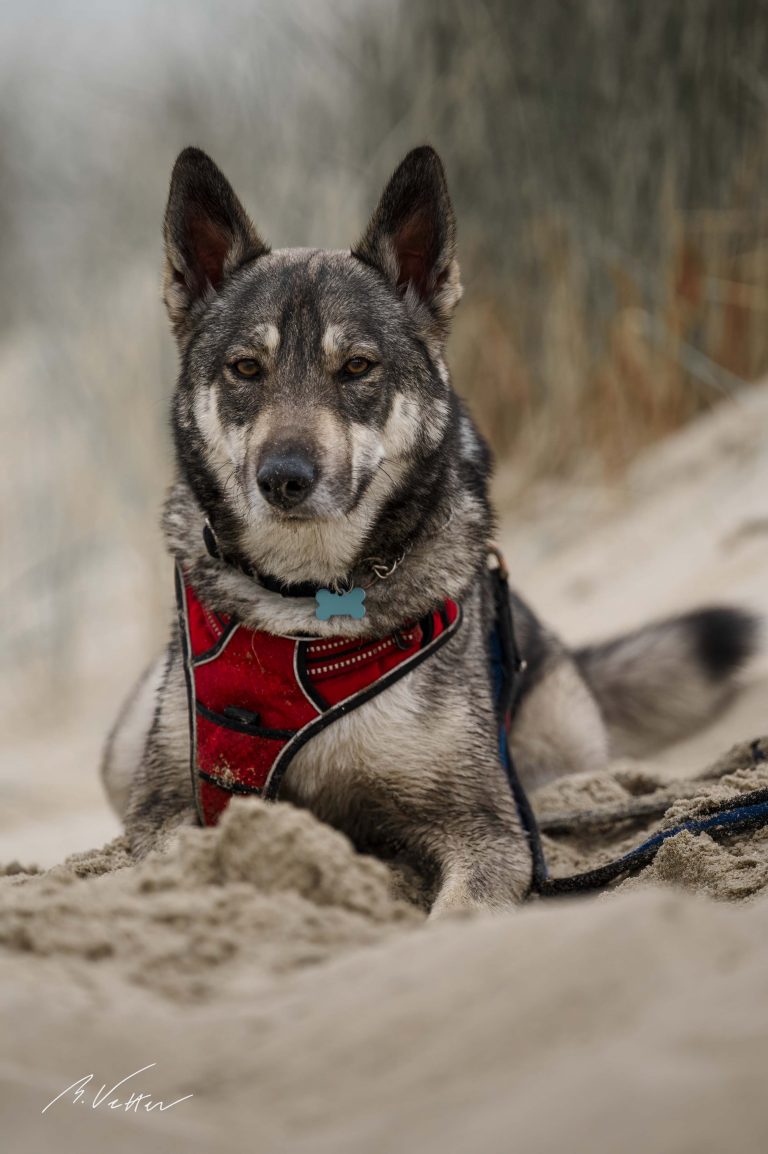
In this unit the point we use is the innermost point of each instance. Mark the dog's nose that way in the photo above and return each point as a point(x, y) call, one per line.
point(286, 478)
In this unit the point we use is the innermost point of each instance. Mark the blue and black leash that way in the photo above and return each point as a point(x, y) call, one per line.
point(745, 812)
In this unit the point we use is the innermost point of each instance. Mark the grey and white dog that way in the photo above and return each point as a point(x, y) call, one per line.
point(317, 430)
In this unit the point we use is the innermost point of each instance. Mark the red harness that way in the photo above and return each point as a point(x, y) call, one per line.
point(256, 698)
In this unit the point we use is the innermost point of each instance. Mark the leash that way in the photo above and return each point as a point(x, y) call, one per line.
point(745, 812)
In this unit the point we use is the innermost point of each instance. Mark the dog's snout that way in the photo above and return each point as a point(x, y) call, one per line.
point(286, 477)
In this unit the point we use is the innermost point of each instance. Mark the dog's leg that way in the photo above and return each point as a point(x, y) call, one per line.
point(558, 729)
point(153, 829)
point(492, 875)
point(160, 799)
point(481, 851)
point(128, 738)
point(465, 890)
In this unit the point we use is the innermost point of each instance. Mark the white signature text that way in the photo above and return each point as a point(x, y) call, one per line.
point(106, 1096)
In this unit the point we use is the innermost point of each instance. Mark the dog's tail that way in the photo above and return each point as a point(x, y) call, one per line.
point(663, 681)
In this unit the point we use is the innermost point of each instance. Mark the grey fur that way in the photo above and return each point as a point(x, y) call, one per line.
point(659, 683)
point(402, 475)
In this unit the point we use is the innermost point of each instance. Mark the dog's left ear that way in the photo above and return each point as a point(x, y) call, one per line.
point(411, 238)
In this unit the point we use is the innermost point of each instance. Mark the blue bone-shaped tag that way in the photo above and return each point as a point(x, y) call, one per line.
point(349, 604)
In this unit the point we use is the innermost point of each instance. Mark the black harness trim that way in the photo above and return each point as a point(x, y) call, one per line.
point(221, 644)
point(231, 786)
point(302, 676)
point(189, 681)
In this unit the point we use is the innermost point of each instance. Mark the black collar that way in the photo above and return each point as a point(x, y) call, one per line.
point(273, 584)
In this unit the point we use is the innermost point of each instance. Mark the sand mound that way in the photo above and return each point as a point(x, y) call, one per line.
point(269, 889)
point(267, 970)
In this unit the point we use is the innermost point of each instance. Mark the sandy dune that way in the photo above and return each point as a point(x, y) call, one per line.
point(273, 975)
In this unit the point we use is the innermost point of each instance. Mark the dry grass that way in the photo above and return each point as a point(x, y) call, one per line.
point(597, 404)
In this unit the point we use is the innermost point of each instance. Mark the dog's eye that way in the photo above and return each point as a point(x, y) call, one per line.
point(356, 366)
point(247, 367)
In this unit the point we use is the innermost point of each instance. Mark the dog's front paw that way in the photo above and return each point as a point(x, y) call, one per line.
point(455, 900)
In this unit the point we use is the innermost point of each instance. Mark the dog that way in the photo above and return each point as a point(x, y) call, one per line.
point(321, 449)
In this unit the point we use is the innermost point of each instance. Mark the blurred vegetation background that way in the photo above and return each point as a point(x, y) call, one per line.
point(607, 160)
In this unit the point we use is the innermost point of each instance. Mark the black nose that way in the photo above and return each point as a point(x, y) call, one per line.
point(286, 478)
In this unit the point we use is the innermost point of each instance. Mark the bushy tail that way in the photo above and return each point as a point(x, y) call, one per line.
point(663, 681)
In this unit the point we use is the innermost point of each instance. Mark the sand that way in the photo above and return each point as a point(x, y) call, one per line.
point(290, 987)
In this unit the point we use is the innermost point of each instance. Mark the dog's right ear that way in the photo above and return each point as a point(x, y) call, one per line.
point(207, 234)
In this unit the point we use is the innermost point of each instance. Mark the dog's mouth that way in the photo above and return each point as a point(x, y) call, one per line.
point(317, 510)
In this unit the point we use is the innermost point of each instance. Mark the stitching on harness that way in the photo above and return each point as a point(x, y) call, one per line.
point(323, 647)
point(387, 644)
point(214, 624)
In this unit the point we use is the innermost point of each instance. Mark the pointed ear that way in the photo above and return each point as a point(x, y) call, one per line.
point(411, 238)
point(207, 234)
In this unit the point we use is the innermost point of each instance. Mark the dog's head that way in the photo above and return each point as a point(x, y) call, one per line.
point(312, 383)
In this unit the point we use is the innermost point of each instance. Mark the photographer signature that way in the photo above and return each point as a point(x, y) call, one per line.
point(137, 1100)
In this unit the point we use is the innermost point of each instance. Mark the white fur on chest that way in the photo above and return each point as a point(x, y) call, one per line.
point(392, 736)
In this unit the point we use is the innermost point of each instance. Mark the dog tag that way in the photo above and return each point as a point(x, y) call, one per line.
point(349, 604)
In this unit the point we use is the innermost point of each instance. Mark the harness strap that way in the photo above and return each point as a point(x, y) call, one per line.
point(507, 669)
point(256, 698)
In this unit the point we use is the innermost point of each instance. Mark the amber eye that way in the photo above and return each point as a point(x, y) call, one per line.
point(247, 367)
point(356, 366)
